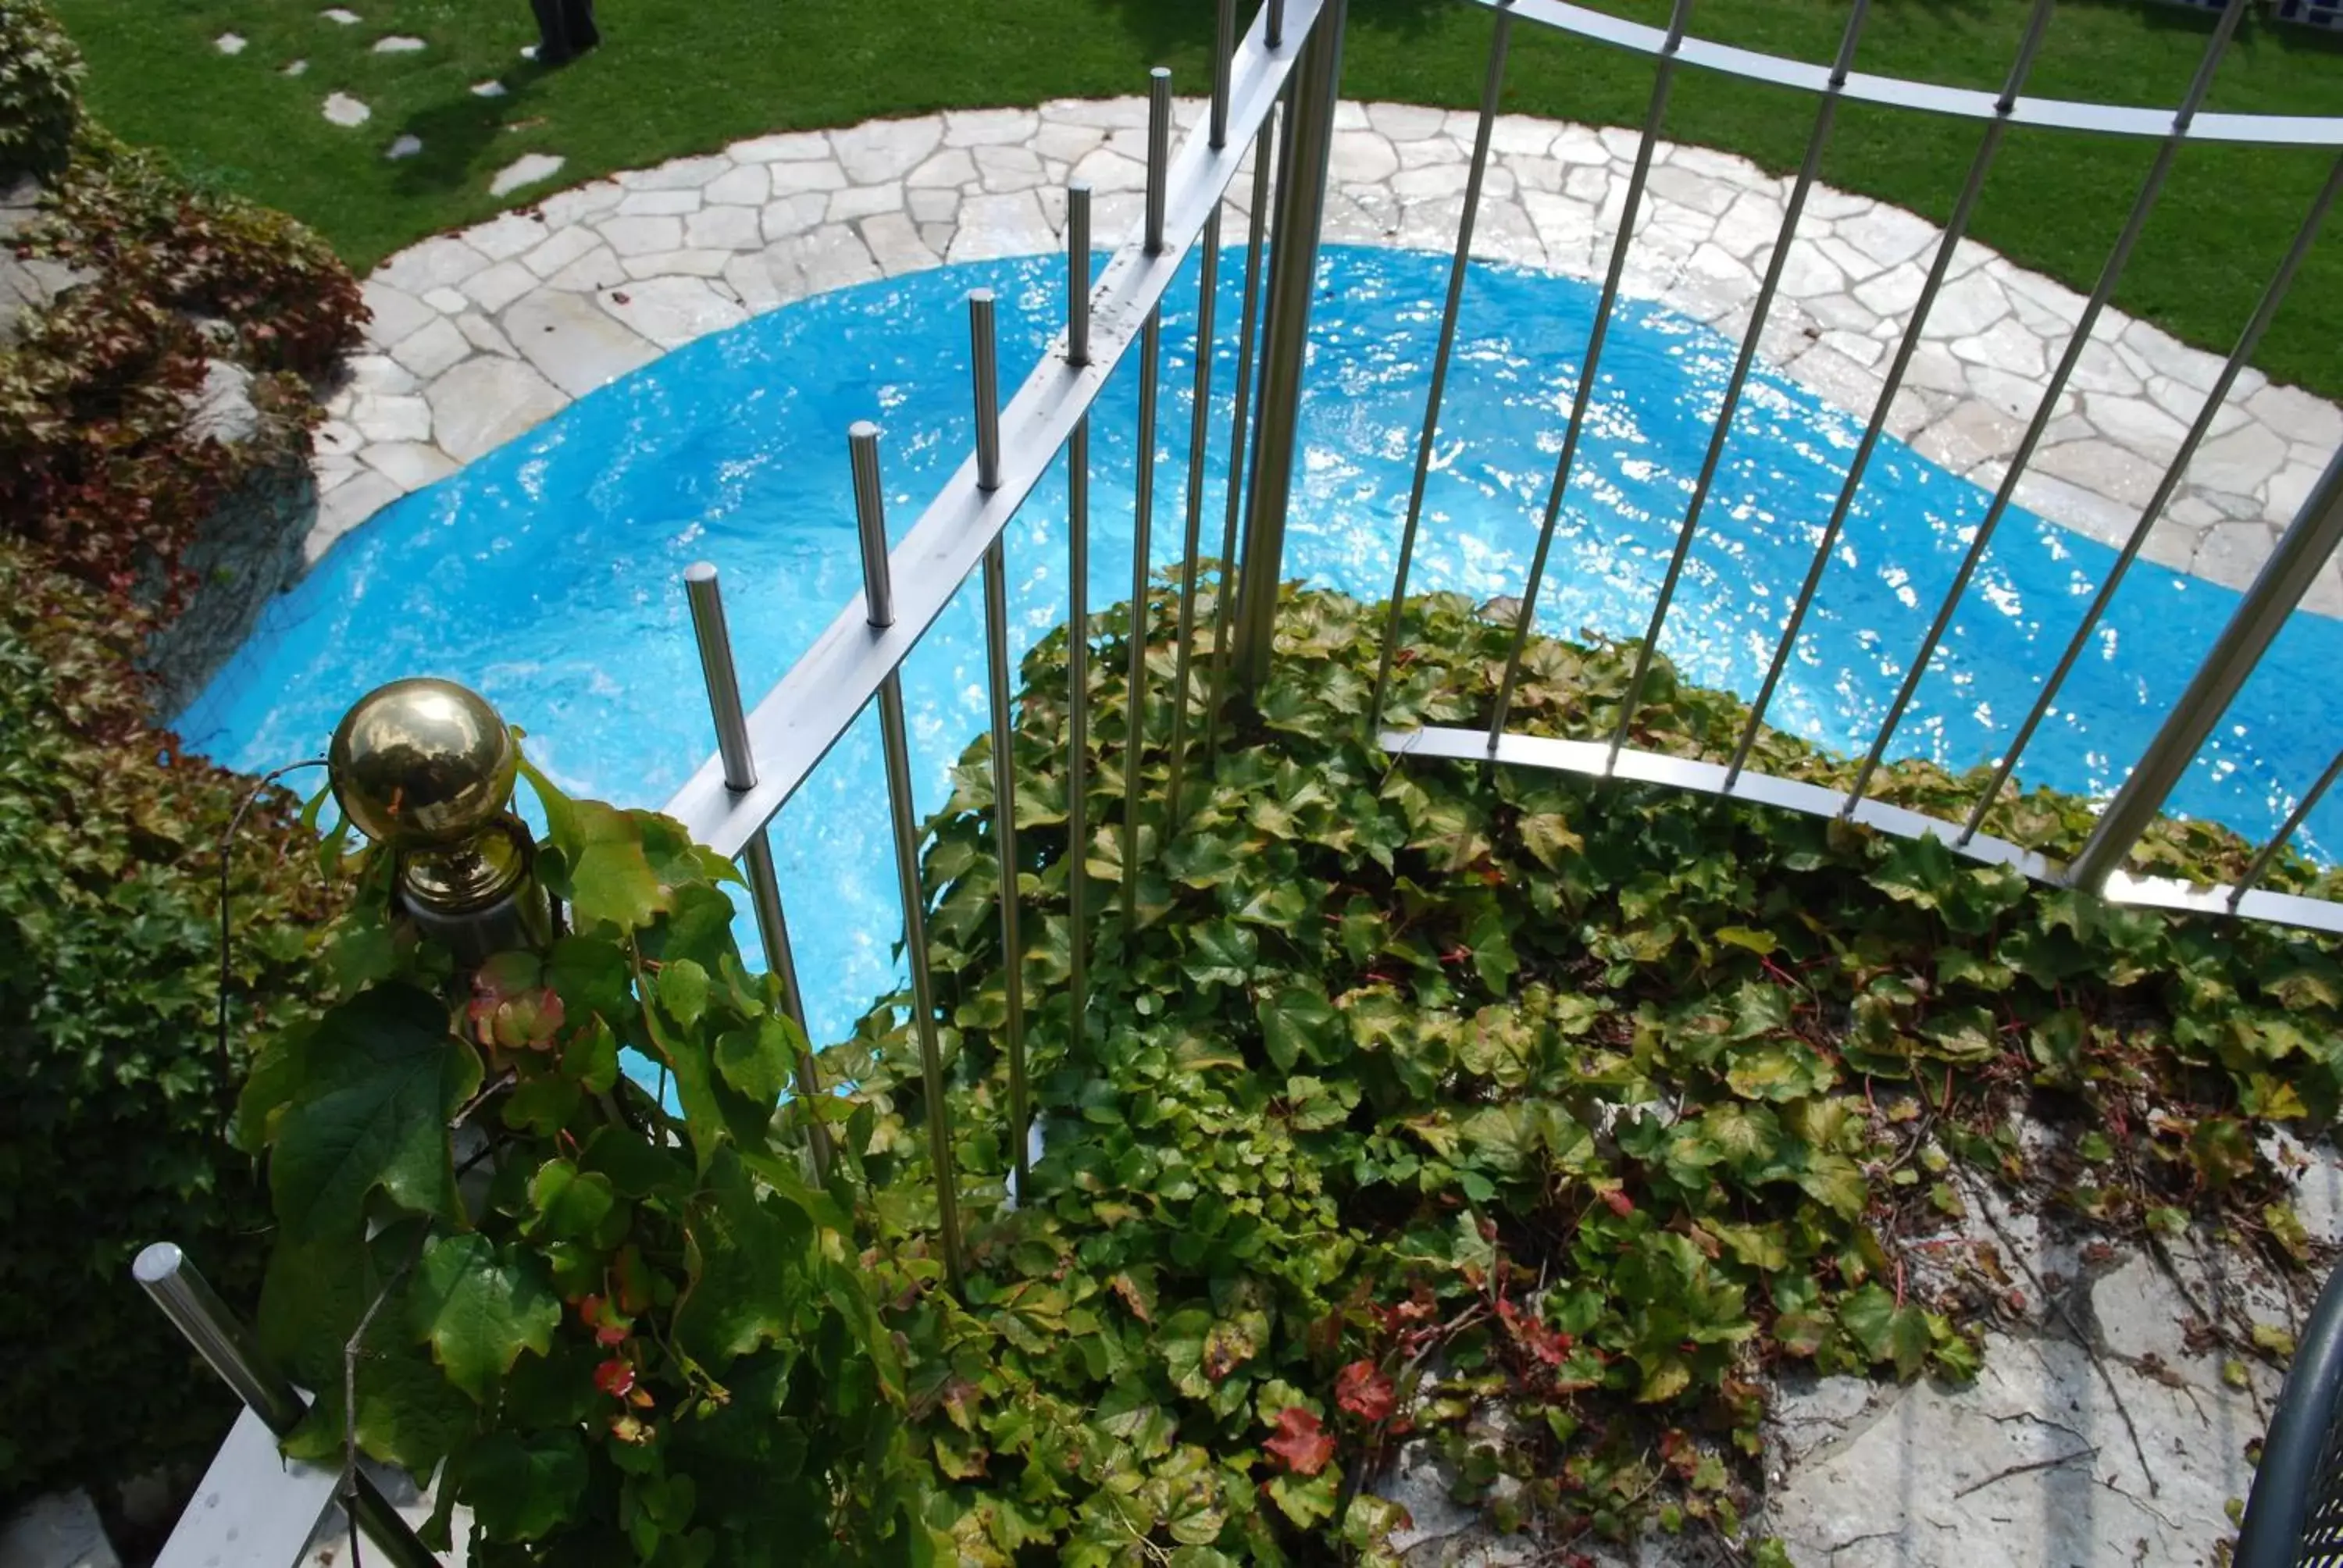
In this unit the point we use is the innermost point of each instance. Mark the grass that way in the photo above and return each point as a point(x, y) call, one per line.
point(683, 76)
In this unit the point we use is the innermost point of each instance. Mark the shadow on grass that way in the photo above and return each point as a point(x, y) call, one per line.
point(456, 132)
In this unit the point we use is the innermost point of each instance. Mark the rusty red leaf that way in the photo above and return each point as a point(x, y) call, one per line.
point(1365, 1390)
point(1301, 1443)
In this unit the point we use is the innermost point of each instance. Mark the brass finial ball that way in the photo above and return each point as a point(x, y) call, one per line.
point(422, 764)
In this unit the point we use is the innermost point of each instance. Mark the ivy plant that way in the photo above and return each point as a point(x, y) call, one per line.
point(1506, 1117)
point(1518, 1121)
point(616, 1331)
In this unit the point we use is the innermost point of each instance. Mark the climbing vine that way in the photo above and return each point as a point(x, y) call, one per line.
point(615, 1330)
point(1515, 1120)
point(1511, 1123)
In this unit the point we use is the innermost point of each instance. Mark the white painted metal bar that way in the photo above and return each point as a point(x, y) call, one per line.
point(254, 1509)
point(2046, 410)
point(794, 725)
point(1590, 364)
point(1592, 760)
point(1894, 91)
point(871, 518)
point(1817, 140)
point(1493, 87)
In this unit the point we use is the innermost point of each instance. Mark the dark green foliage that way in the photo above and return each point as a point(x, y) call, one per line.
point(1529, 1115)
point(1530, 1118)
point(97, 460)
point(628, 1337)
point(111, 1127)
point(40, 99)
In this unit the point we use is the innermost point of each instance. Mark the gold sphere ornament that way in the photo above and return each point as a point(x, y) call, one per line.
point(422, 764)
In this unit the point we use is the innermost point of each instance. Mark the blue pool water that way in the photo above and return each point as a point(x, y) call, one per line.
point(547, 574)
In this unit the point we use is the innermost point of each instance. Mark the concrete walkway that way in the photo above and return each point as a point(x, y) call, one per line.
point(477, 336)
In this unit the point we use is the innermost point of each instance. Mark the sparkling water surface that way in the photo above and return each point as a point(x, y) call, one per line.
point(548, 573)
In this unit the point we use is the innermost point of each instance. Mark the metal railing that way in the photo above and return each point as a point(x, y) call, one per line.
point(1274, 93)
point(2279, 590)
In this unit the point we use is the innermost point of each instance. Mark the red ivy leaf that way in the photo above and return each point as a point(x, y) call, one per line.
point(1301, 1445)
point(615, 1378)
point(1621, 1204)
point(1365, 1391)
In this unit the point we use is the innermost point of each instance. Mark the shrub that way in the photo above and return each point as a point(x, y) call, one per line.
point(40, 72)
point(125, 213)
point(111, 1133)
point(97, 462)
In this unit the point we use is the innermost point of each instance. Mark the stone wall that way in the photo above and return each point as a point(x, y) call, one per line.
point(248, 552)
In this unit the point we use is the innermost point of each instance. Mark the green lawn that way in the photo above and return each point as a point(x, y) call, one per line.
point(680, 76)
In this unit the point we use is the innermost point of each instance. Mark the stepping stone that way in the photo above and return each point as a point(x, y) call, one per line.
point(336, 14)
point(344, 110)
point(525, 170)
point(397, 44)
point(229, 42)
point(406, 146)
point(487, 89)
point(295, 68)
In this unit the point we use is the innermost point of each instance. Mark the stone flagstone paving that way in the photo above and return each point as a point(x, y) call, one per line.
point(481, 335)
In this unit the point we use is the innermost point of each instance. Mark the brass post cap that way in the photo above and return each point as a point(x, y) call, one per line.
point(422, 763)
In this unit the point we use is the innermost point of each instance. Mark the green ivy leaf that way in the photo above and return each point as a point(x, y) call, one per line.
point(524, 1487)
point(597, 863)
point(747, 1264)
point(570, 1206)
point(384, 1074)
point(1909, 1340)
point(1223, 953)
point(1868, 1314)
point(1298, 1021)
point(479, 1309)
point(683, 990)
point(759, 1059)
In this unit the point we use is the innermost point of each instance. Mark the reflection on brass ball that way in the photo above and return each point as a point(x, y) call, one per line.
point(422, 763)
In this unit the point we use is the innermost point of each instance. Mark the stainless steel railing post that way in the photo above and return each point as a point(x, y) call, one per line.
point(2260, 616)
point(1817, 140)
point(1493, 88)
point(1654, 115)
point(1955, 228)
point(704, 595)
point(1292, 275)
point(870, 519)
point(1200, 432)
point(1224, 582)
point(1078, 627)
point(2143, 205)
point(1150, 361)
point(186, 1297)
point(984, 360)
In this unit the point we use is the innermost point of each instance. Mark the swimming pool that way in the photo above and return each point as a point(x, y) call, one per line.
point(548, 573)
